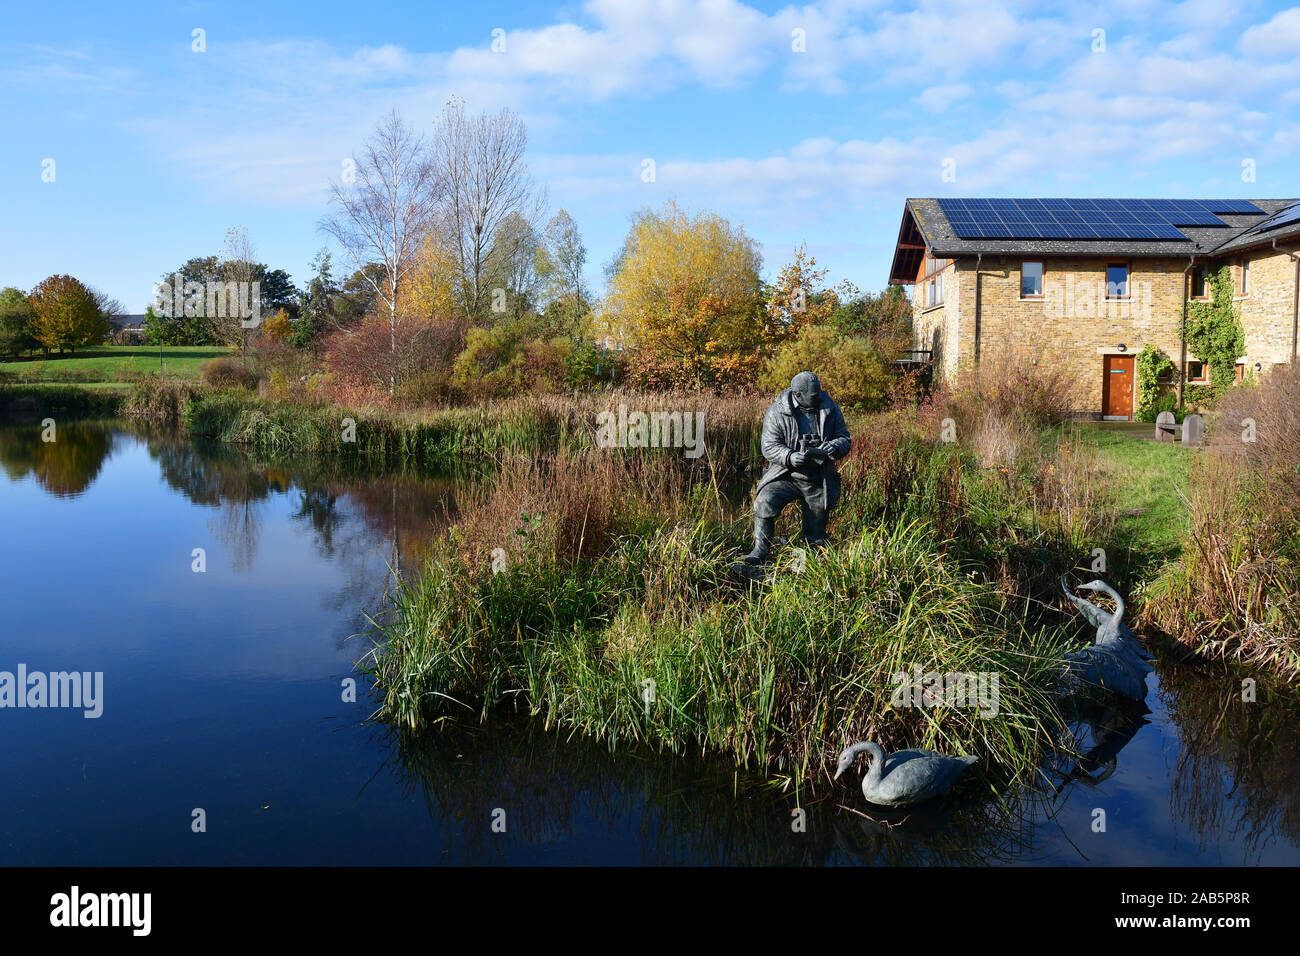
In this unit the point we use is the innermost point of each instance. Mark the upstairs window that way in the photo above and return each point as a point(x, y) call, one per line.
point(1117, 280)
point(933, 282)
point(1245, 277)
point(1031, 280)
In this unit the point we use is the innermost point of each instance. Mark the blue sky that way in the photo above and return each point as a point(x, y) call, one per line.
point(158, 149)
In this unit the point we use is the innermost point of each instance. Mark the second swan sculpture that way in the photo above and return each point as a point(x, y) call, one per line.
point(1115, 661)
point(905, 776)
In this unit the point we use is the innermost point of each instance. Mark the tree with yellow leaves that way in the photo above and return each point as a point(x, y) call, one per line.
point(430, 291)
point(65, 314)
point(685, 295)
point(278, 326)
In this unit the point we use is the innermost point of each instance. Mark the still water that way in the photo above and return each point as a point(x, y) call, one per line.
point(223, 691)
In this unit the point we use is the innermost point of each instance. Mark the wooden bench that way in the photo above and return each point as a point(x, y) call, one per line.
point(1166, 428)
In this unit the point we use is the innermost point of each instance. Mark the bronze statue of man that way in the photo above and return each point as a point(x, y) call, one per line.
point(804, 433)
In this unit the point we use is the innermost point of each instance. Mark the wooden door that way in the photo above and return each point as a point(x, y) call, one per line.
point(1117, 386)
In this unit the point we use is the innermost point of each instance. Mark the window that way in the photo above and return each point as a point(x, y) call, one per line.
point(1200, 288)
point(1245, 277)
point(932, 284)
point(1198, 373)
point(1240, 373)
point(1166, 375)
point(1031, 280)
point(1117, 280)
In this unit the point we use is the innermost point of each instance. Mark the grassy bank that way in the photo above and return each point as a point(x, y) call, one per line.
point(111, 363)
point(61, 402)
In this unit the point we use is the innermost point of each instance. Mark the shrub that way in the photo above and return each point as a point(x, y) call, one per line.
point(849, 368)
point(366, 360)
point(227, 373)
point(1000, 406)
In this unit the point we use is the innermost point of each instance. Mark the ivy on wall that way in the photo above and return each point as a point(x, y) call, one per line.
point(1215, 336)
point(1152, 365)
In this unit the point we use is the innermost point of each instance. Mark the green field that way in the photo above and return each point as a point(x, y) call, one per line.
point(112, 363)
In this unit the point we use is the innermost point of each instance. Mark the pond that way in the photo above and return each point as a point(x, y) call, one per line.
point(225, 690)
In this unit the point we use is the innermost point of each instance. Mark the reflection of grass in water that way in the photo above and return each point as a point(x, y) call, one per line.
point(1256, 745)
point(557, 788)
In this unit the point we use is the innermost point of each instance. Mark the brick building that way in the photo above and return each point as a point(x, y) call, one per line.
point(1085, 285)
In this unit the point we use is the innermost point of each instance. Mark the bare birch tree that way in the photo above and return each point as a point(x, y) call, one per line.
point(383, 214)
point(480, 160)
point(224, 305)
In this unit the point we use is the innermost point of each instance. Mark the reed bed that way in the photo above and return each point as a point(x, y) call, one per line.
point(1235, 595)
point(444, 439)
point(613, 614)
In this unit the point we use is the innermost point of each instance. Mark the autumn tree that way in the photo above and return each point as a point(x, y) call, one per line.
point(430, 293)
point(277, 326)
point(65, 314)
point(798, 298)
point(684, 292)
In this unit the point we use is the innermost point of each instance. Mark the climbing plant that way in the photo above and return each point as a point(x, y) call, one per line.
point(1215, 336)
point(1152, 365)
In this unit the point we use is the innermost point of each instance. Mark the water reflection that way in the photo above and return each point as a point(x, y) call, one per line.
point(405, 511)
point(556, 788)
point(1238, 771)
point(65, 467)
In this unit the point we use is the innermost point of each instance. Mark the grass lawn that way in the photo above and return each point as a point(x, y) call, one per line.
point(1147, 477)
point(112, 363)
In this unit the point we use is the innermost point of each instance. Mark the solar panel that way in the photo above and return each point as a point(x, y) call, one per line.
point(1233, 206)
point(1146, 219)
point(1285, 217)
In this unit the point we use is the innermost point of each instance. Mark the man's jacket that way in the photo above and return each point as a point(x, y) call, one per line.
point(781, 438)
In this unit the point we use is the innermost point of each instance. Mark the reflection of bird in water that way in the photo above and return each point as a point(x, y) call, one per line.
point(905, 776)
point(1115, 661)
point(1110, 729)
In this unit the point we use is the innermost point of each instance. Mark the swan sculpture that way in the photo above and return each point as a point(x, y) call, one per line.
point(1115, 661)
point(905, 776)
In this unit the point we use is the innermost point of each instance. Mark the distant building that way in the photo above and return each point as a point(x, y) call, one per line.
point(129, 330)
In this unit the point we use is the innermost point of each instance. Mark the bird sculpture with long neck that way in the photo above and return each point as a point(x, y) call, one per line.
point(905, 776)
point(1115, 661)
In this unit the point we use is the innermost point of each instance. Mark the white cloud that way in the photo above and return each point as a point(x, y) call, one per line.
point(937, 99)
point(1279, 37)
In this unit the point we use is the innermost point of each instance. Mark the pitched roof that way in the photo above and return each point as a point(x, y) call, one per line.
point(924, 221)
point(1279, 227)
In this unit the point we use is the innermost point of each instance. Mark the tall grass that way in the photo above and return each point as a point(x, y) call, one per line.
point(615, 584)
point(1000, 406)
point(59, 401)
point(1236, 592)
point(446, 440)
